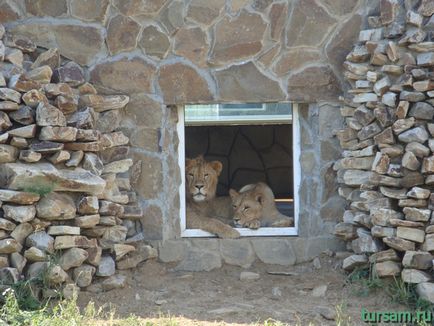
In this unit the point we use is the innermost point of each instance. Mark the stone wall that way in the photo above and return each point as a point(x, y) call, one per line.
point(68, 214)
point(163, 53)
point(387, 169)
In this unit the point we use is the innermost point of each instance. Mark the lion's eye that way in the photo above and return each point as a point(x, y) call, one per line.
point(246, 208)
point(206, 175)
point(190, 175)
point(234, 206)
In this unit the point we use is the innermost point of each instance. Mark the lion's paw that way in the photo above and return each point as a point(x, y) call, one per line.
point(254, 224)
point(230, 234)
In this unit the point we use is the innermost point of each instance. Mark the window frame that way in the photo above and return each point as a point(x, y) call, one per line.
point(245, 232)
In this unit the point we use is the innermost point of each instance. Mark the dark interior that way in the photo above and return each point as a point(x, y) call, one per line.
point(249, 153)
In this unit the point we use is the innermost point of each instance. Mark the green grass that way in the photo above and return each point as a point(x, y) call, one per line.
point(366, 279)
point(40, 189)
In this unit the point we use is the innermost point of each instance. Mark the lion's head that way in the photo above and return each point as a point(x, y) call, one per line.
point(248, 204)
point(202, 178)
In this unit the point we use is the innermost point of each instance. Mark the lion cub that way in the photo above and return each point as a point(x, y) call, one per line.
point(204, 210)
point(254, 207)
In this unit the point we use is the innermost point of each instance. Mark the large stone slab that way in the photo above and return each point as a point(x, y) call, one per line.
point(45, 177)
point(309, 24)
point(56, 206)
point(122, 34)
point(80, 43)
point(239, 83)
point(237, 38)
point(125, 75)
point(181, 83)
point(102, 103)
point(321, 78)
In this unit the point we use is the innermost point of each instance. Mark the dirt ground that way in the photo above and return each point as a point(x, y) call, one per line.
point(219, 297)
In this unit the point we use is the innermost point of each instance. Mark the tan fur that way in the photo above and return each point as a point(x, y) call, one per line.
point(204, 210)
point(254, 207)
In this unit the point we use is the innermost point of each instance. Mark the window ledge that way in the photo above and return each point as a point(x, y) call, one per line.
point(244, 232)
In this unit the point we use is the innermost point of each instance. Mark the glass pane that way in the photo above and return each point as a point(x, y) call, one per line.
point(240, 113)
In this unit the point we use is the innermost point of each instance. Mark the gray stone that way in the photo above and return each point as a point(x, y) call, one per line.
point(274, 251)
point(56, 275)
point(106, 267)
point(237, 252)
point(418, 134)
point(8, 246)
point(415, 276)
point(56, 206)
point(382, 232)
point(34, 254)
point(21, 232)
point(48, 115)
point(83, 274)
point(24, 176)
point(422, 110)
point(411, 234)
point(41, 240)
point(382, 216)
point(122, 32)
point(8, 153)
point(20, 214)
point(353, 261)
point(399, 244)
point(9, 275)
point(114, 282)
point(426, 291)
point(387, 269)
point(198, 259)
point(249, 276)
point(73, 257)
point(416, 214)
point(417, 260)
point(154, 42)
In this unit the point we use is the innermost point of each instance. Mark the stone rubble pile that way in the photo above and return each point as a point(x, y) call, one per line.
point(387, 170)
point(67, 208)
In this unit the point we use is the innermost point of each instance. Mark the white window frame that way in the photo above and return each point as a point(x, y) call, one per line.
point(244, 232)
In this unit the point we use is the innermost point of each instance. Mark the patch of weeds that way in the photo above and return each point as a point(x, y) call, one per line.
point(342, 317)
point(405, 293)
point(42, 189)
point(366, 279)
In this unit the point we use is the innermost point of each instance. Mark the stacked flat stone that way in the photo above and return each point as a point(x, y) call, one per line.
point(387, 170)
point(64, 180)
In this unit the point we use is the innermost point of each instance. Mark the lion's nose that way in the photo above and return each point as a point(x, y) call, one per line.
point(236, 218)
point(199, 187)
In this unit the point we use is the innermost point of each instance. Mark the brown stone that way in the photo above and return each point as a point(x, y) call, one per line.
point(181, 83)
point(294, 59)
point(192, 43)
point(172, 16)
point(67, 105)
point(18, 197)
point(50, 58)
point(205, 12)
point(8, 153)
point(46, 147)
point(42, 8)
point(415, 276)
point(84, 119)
point(124, 75)
point(62, 134)
point(89, 10)
point(48, 115)
point(236, 84)
point(102, 103)
point(387, 269)
point(17, 176)
point(154, 42)
point(73, 241)
point(109, 121)
point(309, 24)
point(8, 12)
point(122, 34)
point(86, 147)
point(79, 43)
point(321, 78)
point(87, 221)
point(237, 38)
point(278, 14)
point(417, 260)
point(426, 8)
point(342, 41)
point(54, 90)
point(71, 73)
point(399, 244)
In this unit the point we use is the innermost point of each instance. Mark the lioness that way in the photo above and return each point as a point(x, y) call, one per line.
point(204, 209)
point(254, 207)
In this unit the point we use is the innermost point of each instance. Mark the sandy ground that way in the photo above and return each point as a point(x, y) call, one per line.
point(219, 297)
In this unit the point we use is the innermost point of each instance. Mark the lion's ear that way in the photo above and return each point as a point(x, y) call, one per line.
point(217, 166)
point(258, 198)
point(233, 193)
